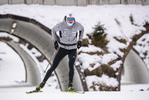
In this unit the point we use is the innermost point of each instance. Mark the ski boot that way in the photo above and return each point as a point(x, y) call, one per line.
point(70, 87)
point(42, 84)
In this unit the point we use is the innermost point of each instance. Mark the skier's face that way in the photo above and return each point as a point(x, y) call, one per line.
point(70, 20)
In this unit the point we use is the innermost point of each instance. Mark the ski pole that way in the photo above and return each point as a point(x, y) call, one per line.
point(50, 61)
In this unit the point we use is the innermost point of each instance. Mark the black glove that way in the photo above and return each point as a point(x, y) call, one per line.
point(56, 45)
point(79, 44)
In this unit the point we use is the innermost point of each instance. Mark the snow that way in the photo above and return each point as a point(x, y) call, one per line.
point(87, 59)
point(100, 80)
point(15, 39)
point(115, 66)
point(129, 93)
point(9, 69)
point(90, 48)
point(116, 21)
point(116, 47)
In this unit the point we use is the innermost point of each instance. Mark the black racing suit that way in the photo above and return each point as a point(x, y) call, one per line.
point(59, 56)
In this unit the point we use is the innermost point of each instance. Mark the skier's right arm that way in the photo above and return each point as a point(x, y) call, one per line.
point(54, 30)
point(54, 36)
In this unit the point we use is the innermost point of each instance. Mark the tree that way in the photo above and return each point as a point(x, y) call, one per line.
point(126, 1)
point(43, 2)
point(25, 2)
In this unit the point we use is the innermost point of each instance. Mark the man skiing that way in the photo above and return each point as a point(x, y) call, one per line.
point(65, 41)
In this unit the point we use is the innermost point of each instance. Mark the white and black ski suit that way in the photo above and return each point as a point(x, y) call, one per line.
point(67, 37)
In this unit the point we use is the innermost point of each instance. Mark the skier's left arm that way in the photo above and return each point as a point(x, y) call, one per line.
point(81, 32)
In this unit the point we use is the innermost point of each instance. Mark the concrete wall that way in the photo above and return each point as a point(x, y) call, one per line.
point(32, 72)
point(135, 70)
point(74, 2)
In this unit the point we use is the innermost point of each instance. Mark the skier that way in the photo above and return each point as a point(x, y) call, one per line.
point(65, 41)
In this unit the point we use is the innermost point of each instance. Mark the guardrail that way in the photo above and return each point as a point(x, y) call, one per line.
point(75, 2)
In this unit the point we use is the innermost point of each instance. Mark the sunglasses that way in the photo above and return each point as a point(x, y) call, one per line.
point(70, 19)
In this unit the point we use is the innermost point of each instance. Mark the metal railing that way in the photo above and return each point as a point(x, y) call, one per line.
point(75, 2)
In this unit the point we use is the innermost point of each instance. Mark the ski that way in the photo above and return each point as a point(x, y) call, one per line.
point(77, 92)
point(34, 91)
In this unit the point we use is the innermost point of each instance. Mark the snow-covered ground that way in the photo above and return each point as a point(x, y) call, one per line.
point(130, 92)
point(88, 17)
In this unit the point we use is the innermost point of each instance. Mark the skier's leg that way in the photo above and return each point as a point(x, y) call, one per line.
point(59, 56)
point(72, 58)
